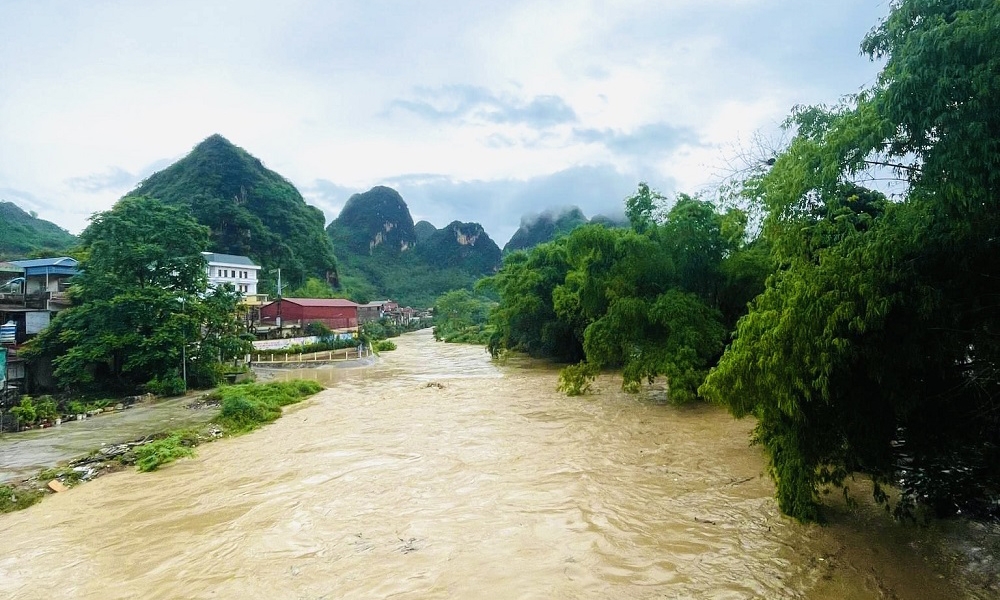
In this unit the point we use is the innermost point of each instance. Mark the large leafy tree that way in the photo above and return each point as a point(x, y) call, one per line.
point(645, 300)
point(874, 349)
point(140, 303)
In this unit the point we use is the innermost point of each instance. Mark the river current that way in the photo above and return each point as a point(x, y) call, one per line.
point(437, 473)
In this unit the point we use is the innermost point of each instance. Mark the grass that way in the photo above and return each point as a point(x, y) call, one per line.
point(149, 457)
point(17, 498)
point(247, 407)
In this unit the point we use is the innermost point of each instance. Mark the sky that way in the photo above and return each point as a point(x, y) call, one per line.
point(473, 110)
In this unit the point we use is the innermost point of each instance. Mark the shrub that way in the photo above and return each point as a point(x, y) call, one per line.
point(575, 379)
point(46, 409)
point(383, 346)
point(150, 456)
point(246, 407)
point(25, 412)
point(170, 384)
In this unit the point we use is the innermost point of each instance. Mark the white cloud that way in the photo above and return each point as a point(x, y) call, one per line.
point(498, 98)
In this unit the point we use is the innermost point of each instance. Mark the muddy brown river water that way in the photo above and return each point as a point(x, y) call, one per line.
point(437, 473)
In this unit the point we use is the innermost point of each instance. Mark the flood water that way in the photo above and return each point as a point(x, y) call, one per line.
point(436, 473)
point(24, 454)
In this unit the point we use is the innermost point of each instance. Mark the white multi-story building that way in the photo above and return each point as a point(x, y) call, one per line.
point(239, 271)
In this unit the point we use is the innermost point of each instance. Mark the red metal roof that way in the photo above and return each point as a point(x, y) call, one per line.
point(332, 302)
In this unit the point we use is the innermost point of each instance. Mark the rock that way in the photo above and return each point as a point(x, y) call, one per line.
point(119, 406)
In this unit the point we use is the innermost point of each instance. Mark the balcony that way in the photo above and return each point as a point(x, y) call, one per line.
point(254, 299)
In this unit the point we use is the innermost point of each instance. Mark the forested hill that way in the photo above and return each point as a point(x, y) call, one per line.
point(251, 210)
point(384, 255)
point(378, 217)
point(464, 246)
point(22, 234)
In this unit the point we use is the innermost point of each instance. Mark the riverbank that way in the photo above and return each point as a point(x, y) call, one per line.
point(241, 409)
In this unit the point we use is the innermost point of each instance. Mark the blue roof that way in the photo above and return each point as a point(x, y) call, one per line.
point(60, 261)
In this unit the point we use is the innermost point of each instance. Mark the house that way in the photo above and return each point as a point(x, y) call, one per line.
point(373, 311)
point(32, 291)
point(295, 313)
point(239, 271)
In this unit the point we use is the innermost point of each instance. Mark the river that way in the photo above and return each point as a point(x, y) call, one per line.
point(437, 473)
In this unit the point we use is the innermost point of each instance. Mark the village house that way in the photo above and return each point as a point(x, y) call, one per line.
point(373, 311)
point(32, 291)
point(289, 316)
point(239, 271)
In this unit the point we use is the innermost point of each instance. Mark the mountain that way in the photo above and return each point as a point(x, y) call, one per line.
point(384, 255)
point(464, 246)
point(376, 218)
point(423, 230)
point(24, 233)
point(538, 229)
point(251, 210)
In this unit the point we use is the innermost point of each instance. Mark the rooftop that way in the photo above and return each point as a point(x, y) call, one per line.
point(228, 259)
point(337, 302)
point(60, 261)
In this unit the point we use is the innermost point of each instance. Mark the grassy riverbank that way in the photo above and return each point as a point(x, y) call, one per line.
point(242, 409)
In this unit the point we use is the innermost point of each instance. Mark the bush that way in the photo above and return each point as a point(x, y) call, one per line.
point(246, 407)
point(317, 329)
point(150, 456)
point(25, 412)
point(46, 409)
point(383, 346)
point(170, 384)
point(575, 379)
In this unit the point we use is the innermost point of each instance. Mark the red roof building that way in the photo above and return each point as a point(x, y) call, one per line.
point(335, 313)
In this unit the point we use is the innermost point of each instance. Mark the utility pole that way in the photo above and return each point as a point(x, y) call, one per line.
point(278, 320)
point(184, 366)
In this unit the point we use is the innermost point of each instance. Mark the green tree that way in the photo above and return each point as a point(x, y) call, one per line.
point(312, 288)
point(460, 316)
point(140, 303)
point(873, 349)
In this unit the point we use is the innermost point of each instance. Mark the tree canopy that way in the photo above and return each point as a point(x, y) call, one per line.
point(140, 303)
point(874, 348)
point(654, 300)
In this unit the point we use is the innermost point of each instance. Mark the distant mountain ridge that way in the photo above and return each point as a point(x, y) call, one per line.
point(378, 217)
point(251, 210)
point(23, 233)
point(379, 245)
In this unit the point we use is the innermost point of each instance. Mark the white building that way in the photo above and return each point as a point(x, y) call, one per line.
point(236, 270)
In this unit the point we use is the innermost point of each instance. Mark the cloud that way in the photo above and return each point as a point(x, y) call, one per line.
point(465, 103)
point(327, 196)
point(113, 179)
point(652, 139)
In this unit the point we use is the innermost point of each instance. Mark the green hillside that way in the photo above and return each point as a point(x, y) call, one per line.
point(376, 218)
point(384, 255)
point(23, 234)
point(251, 210)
